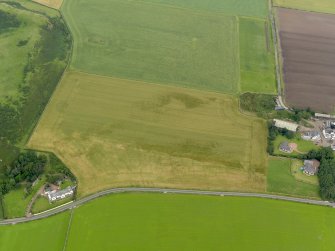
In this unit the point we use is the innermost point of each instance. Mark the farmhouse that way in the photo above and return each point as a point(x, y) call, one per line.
point(285, 124)
point(311, 135)
point(285, 147)
point(54, 195)
point(311, 167)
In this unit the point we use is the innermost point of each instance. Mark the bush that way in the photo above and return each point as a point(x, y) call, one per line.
point(8, 21)
point(261, 104)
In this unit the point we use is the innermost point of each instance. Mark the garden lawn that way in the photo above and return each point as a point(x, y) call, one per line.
point(325, 6)
point(154, 43)
point(42, 204)
point(304, 146)
point(16, 201)
point(47, 234)
point(299, 174)
point(112, 132)
point(167, 222)
point(281, 180)
point(256, 56)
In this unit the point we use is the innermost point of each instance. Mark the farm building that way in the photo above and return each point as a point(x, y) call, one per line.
point(54, 195)
point(324, 116)
point(311, 167)
point(285, 147)
point(285, 124)
point(311, 135)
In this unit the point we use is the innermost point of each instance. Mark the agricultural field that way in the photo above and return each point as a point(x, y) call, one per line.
point(56, 4)
point(307, 42)
point(113, 132)
point(251, 8)
point(35, 236)
point(178, 222)
point(257, 64)
point(120, 39)
point(324, 6)
point(281, 179)
point(183, 222)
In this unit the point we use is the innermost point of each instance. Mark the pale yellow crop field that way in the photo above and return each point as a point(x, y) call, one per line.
point(113, 132)
point(56, 4)
point(325, 6)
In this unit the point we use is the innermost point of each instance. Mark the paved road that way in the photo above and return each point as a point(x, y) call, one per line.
point(159, 190)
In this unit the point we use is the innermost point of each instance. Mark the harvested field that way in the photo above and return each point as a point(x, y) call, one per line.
point(56, 4)
point(308, 51)
point(113, 132)
point(155, 42)
point(325, 6)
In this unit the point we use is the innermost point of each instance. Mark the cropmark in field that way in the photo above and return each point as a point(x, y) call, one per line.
point(113, 132)
point(150, 42)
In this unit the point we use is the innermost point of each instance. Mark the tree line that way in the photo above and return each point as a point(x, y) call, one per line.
point(326, 173)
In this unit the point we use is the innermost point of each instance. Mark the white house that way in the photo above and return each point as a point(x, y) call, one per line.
point(54, 195)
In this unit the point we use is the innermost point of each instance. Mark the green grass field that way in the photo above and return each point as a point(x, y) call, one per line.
point(281, 180)
point(256, 56)
point(114, 132)
point(254, 8)
point(155, 43)
point(11, 72)
point(177, 222)
point(41, 235)
point(326, 6)
point(148, 222)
